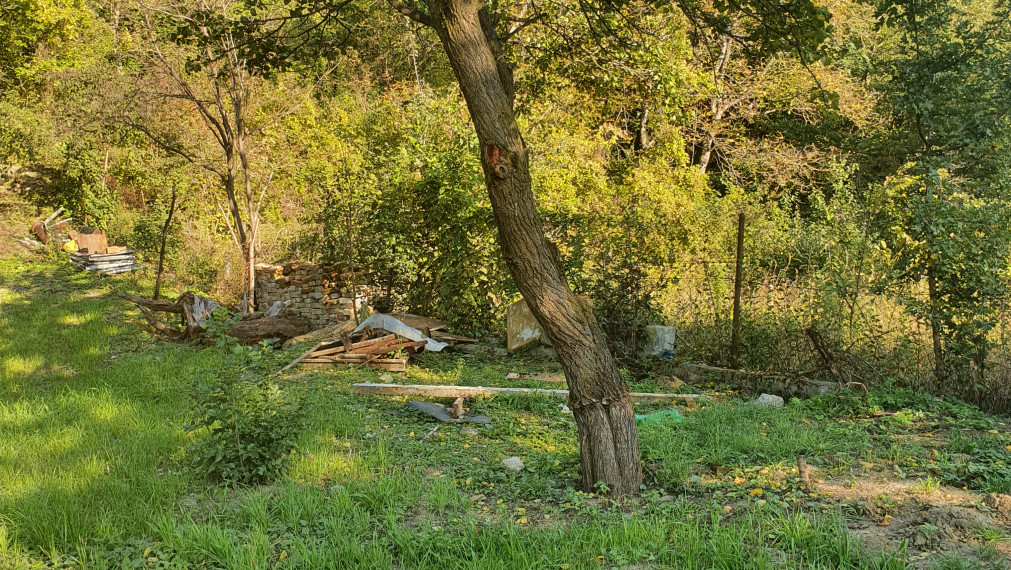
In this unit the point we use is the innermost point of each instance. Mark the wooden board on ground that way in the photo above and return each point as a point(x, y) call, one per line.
point(419, 322)
point(443, 336)
point(433, 391)
point(556, 378)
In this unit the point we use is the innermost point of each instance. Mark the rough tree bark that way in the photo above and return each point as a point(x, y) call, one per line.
point(599, 397)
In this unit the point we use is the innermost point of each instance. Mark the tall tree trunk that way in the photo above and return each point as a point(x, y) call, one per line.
point(940, 371)
point(599, 397)
point(161, 251)
point(249, 274)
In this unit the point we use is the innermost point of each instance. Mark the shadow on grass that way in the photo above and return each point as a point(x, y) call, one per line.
point(89, 424)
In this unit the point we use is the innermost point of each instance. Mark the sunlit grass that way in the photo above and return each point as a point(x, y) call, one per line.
point(94, 470)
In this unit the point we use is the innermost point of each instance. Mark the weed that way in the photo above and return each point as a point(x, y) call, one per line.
point(926, 486)
point(245, 423)
point(991, 535)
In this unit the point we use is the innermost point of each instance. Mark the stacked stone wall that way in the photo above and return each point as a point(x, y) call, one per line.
point(319, 292)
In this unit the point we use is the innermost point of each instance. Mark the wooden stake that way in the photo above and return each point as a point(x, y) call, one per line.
point(458, 408)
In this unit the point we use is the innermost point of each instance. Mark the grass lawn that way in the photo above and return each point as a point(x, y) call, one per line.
point(94, 471)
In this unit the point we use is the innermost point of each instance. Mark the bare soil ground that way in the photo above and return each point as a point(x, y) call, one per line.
point(892, 514)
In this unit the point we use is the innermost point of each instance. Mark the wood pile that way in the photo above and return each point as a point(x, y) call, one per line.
point(375, 348)
point(46, 231)
point(194, 312)
point(383, 341)
point(113, 260)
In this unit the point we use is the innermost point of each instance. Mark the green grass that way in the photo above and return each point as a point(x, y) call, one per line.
point(95, 473)
point(90, 414)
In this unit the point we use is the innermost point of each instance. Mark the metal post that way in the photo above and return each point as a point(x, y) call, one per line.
point(735, 332)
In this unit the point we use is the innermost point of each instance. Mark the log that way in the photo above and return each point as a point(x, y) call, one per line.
point(434, 391)
point(160, 306)
point(327, 333)
point(283, 326)
point(779, 384)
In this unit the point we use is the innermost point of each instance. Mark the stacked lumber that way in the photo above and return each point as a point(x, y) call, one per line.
point(384, 351)
point(112, 260)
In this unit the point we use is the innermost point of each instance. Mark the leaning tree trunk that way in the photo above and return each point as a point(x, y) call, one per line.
point(599, 397)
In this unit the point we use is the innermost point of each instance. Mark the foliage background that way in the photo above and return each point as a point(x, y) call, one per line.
point(862, 166)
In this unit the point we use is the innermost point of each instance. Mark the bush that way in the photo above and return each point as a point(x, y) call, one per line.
point(247, 425)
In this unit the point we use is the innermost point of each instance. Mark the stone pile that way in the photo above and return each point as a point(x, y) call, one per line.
point(320, 293)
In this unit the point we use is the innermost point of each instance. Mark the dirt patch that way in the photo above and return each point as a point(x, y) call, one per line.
point(900, 491)
point(930, 534)
point(1000, 505)
point(948, 521)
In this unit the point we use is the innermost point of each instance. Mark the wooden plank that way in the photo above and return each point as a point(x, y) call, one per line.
point(443, 336)
point(336, 359)
point(372, 341)
point(389, 364)
point(328, 351)
point(419, 322)
point(391, 347)
point(558, 378)
point(433, 391)
point(300, 358)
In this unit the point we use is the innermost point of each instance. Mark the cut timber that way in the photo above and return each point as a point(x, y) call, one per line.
point(384, 348)
point(428, 391)
point(389, 364)
point(299, 359)
point(283, 326)
point(336, 358)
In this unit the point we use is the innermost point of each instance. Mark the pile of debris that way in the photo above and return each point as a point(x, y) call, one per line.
point(46, 231)
point(89, 248)
point(91, 252)
point(194, 311)
point(383, 341)
point(112, 260)
point(384, 351)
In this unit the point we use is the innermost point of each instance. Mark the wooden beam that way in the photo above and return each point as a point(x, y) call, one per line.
point(432, 391)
